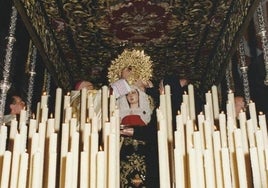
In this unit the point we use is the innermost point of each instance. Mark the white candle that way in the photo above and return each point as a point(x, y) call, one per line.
point(263, 127)
point(6, 168)
point(193, 172)
point(215, 100)
point(3, 138)
point(163, 159)
point(209, 169)
point(250, 131)
point(255, 167)
point(242, 123)
point(101, 169)
point(231, 101)
point(13, 128)
point(201, 120)
point(32, 127)
point(260, 147)
point(36, 170)
point(179, 168)
point(185, 100)
point(23, 170)
point(217, 158)
point(226, 168)
point(44, 114)
point(51, 182)
point(67, 100)
point(83, 108)
point(210, 106)
point(253, 114)
point(191, 101)
point(93, 156)
point(44, 99)
point(75, 152)
point(222, 123)
point(69, 171)
point(104, 104)
point(23, 115)
point(240, 159)
point(84, 169)
point(112, 179)
point(23, 138)
point(50, 127)
point(58, 108)
point(15, 162)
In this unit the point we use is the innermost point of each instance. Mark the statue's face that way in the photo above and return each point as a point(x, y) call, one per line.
point(133, 97)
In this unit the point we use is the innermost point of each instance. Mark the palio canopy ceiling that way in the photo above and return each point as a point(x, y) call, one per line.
point(78, 39)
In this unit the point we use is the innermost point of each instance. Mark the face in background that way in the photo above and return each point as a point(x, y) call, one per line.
point(133, 98)
point(239, 105)
point(17, 105)
point(126, 73)
point(85, 84)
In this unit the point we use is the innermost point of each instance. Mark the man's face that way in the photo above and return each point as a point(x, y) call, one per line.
point(17, 105)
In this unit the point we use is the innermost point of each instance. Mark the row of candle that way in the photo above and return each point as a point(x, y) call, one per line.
point(63, 151)
point(232, 155)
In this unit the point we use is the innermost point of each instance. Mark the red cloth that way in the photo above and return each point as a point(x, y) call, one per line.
point(133, 120)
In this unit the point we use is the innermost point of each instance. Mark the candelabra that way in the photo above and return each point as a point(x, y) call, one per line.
point(262, 33)
point(32, 74)
point(5, 84)
point(244, 68)
point(229, 77)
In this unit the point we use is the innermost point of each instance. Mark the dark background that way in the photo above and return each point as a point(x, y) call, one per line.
point(19, 77)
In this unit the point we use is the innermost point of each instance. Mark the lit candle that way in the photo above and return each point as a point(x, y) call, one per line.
point(50, 126)
point(185, 100)
point(44, 99)
point(263, 127)
point(67, 100)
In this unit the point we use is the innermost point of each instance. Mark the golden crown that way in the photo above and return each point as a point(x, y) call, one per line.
point(141, 66)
